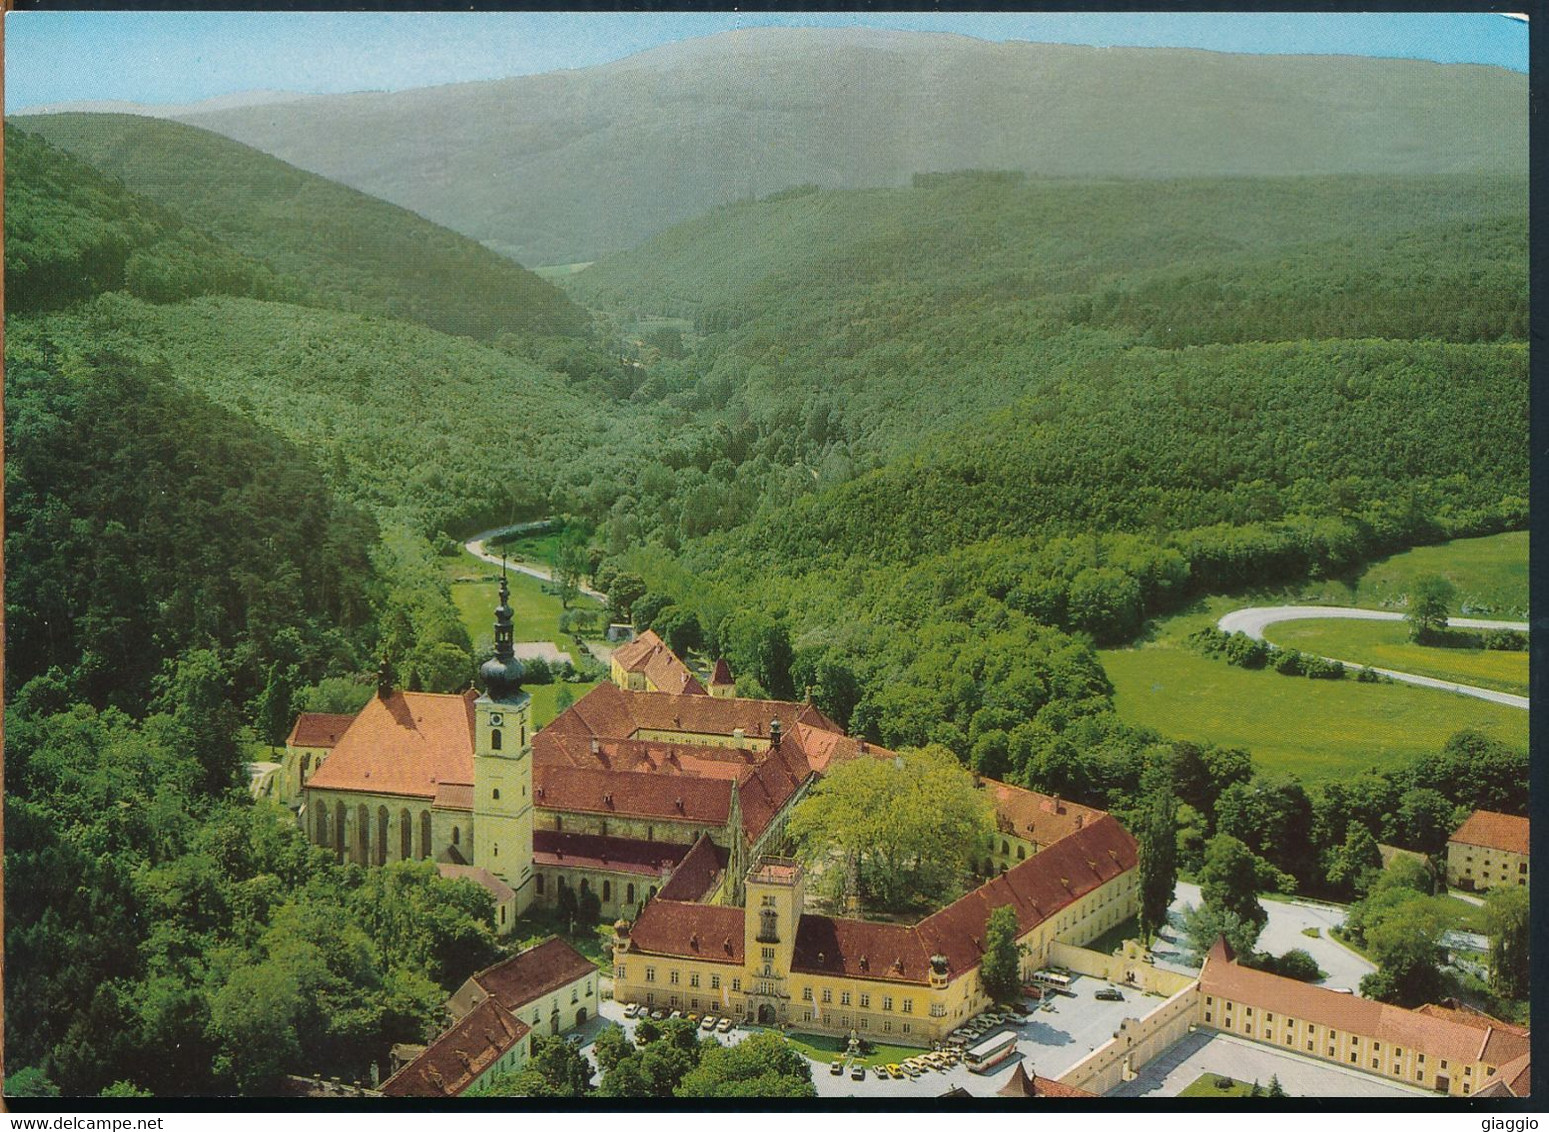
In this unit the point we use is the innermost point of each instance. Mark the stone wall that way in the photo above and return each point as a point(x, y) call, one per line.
point(1126, 966)
point(1136, 1043)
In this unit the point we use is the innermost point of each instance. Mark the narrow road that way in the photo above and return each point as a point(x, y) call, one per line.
point(475, 547)
point(1253, 622)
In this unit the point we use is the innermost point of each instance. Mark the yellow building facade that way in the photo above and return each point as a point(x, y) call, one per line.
point(1489, 850)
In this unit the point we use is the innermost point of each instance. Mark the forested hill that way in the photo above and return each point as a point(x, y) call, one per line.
point(354, 252)
point(571, 165)
point(72, 232)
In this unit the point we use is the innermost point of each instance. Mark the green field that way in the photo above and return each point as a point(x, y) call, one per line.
point(1317, 729)
point(1386, 644)
point(1206, 1086)
point(535, 610)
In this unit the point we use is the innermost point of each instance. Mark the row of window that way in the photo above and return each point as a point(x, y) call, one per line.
point(844, 999)
point(863, 1023)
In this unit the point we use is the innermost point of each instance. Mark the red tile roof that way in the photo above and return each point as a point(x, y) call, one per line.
point(1036, 889)
point(764, 790)
point(863, 949)
point(454, 796)
point(699, 871)
point(523, 978)
point(610, 712)
point(1437, 1033)
point(1492, 830)
point(607, 854)
point(317, 729)
point(698, 801)
point(1039, 818)
point(689, 931)
point(456, 1059)
point(1025, 1084)
point(408, 744)
point(649, 655)
point(722, 675)
point(482, 877)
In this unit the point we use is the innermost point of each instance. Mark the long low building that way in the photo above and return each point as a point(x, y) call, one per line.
point(1451, 1051)
point(1489, 850)
point(770, 962)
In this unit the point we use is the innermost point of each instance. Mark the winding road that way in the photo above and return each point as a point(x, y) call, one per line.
point(475, 547)
point(1255, 620)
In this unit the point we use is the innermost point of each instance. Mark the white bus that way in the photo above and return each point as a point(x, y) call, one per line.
point(990, 1052)
point(1052, 978)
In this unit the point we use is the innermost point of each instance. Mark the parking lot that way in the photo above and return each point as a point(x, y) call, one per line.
point(1049, 1042)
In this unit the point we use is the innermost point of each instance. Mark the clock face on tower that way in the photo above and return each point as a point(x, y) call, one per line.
point(495, 719)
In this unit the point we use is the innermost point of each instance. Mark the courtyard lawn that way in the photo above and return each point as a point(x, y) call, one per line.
point(1317, 729)
point(539, 922)
point(1466, 917)
point(821, 1047)
point(545, 696)
point(1109, 941)
point(1207, 1086)
point(1386, 644)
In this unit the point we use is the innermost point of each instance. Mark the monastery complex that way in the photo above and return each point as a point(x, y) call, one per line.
point(667, 800)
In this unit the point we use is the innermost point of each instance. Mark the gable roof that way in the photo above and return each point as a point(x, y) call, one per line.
point(709, 932)
point(1040, 818)
point(765, 789)
point(482, 877)
point(1035, 889)
point(408, 744)
point(1491, 830)
point(699, 871)
point(864, 949)
point(557, 849)
point(318, 729)
point(525, 977)
point(1025, 1084)
point(1436, 1032)
point(611, 712)
point(721, 677)
point(649, 655)
point(457, 1059)
point(699, 801)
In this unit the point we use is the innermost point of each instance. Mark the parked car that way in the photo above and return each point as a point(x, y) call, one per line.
point(725, 1026)
point(658, 1015)
point(836, 1067)
point(576, 1040)
point(1110, 994)
point(857, 1072)
point(709, 1022)
point(631, 1010)
point(895, 1072)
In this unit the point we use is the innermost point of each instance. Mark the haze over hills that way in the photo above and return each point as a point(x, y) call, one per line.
point(344, 247)
point(572, 165)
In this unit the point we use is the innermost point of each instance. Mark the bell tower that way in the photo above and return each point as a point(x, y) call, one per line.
point(775, 890)
point(502, 764)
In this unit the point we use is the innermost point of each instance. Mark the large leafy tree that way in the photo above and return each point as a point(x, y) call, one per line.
point(1000, 969)
point(1157, 835)
point(903, 831)
point(556, 1069)
point(1229, 883)
point(1430, 601)
point(1507, 913)
point(762, 1066)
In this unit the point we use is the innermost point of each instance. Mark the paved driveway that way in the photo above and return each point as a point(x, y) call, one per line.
point(1205, 1052)
point(1281, 933)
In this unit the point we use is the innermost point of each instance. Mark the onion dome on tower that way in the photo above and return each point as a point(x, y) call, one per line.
point(502, 673)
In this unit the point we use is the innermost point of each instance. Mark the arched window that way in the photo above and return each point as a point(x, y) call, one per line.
point(1021, 852)
point(585, 887)
point(381, 835)
point(457, 835)
point(494, 738)
point(405, 835)
point(362, 835)
point(629, 893)
point(425, 835)
point(540, 884)
point(1004, 848)
point(607, 892)
point(321, 828)
point(338, 830)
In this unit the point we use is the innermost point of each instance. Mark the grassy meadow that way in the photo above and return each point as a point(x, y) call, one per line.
point(1386, 644)
point(1318, 729)
point(1489, 573)
point(534, 609)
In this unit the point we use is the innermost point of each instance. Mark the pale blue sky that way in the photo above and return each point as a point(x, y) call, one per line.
point(162, 57)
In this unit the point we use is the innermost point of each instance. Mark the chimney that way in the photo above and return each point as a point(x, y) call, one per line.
point(1080, 820)
point(678, 802)
point(774, 734)
point(596, 746)
point(607, 800)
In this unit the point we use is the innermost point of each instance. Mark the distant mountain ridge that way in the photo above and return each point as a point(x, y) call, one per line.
point(572, 165)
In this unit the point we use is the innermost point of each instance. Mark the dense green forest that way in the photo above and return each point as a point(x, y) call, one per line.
point(354, 252)
point(919, 451)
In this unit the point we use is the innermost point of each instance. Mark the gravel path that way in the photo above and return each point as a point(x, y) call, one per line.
point(475, 547)
point(1253, 621)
